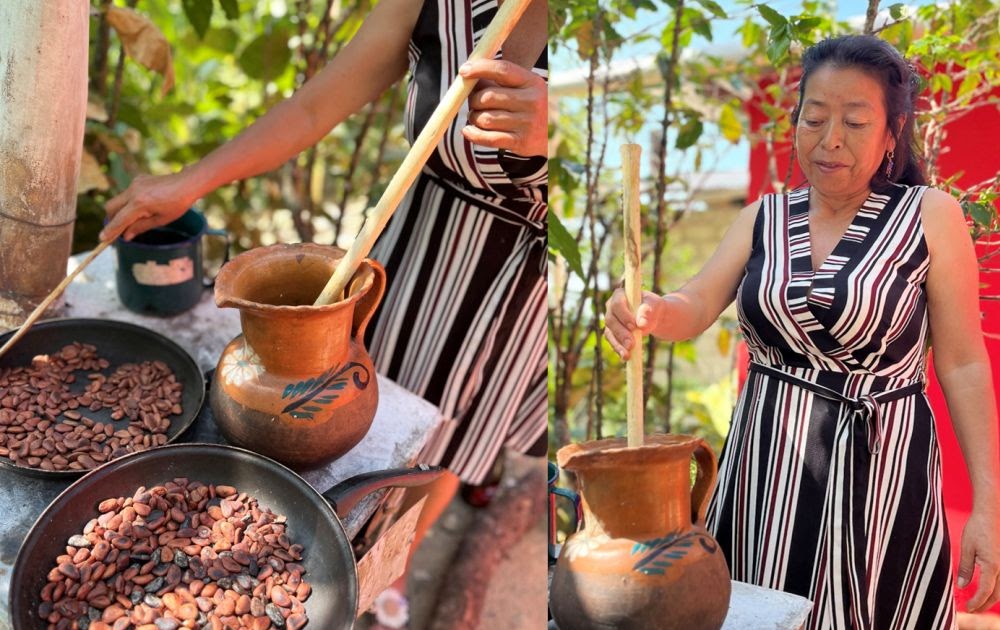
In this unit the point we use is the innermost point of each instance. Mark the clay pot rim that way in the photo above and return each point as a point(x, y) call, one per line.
point(230, 270)
point(615, 452)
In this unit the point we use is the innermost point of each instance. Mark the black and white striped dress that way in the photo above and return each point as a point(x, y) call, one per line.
point(463, 323)
point(830, 479)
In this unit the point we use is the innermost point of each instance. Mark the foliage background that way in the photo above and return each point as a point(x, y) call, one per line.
point(228, 62)
point(683, 118)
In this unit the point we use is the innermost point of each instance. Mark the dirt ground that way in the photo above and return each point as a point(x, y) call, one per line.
point(516, 598)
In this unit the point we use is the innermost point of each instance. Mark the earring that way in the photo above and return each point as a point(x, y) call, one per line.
point(888, 167)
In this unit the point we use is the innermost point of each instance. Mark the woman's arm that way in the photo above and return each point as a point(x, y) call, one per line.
point(374, 59)
point(687, 312)
point(963, 369)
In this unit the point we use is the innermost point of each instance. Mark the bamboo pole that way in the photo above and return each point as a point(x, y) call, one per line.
point(633, 288)
point(498, 30)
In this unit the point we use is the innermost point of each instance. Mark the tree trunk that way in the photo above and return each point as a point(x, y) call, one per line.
point(43, 104)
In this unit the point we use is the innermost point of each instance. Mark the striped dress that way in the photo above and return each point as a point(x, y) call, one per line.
point(463, 323)
point(830, 478)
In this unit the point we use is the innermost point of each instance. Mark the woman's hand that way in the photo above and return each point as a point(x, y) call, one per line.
point(508, 109)
point(619, 322)
point(147, 203)
point(981, 547)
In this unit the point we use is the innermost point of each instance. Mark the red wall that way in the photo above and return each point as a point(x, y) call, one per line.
point(972, 146)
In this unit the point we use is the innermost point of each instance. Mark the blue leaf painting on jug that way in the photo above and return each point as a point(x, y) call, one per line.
point(310, 396)
point(659, 554)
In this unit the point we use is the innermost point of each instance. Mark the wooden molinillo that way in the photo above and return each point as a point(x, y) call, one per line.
point(498, 30)
point(298, 385)
point(643, 558)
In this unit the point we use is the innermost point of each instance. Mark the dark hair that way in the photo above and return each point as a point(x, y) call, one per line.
point(900, 88)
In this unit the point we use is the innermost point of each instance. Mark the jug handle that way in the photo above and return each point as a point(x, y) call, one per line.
point(708, 466)
point(366, 306)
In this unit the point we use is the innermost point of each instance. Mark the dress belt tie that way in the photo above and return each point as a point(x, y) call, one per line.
point(867, 408)
point(536, 243)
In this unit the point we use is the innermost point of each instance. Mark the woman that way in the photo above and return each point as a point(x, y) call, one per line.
point(829, 483)
point(465, 250)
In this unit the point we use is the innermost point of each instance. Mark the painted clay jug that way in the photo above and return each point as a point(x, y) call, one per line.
point(298, 385)
point(643, 558)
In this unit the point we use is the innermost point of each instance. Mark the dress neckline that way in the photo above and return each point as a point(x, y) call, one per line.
point(840, 249)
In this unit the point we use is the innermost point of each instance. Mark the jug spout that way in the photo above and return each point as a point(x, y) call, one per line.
point(274, 289)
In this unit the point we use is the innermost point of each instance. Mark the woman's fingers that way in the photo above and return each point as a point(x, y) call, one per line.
point(141, 225)
point(986, 593)
point(499, 120)
point(148, 202)
point(117, 202)
point(616, 345)
point(644, 317)
point(619, 324)
point(496, 97)
point(508, 109)
point(120, 222)
point(500, 71)
point(494, 139)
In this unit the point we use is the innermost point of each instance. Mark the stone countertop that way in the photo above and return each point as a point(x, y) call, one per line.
point(757, 608)
point(401, 425)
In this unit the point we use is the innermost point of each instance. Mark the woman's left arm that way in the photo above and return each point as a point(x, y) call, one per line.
point(963, 369)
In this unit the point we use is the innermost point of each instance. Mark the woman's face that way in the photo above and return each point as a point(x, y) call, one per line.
point(841, 136)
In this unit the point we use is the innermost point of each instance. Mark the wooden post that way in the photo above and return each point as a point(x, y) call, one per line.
point(43, 104)
point(633, 287)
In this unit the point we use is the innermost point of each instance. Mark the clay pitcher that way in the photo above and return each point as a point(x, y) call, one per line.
point(298, 385)
point(644, 558)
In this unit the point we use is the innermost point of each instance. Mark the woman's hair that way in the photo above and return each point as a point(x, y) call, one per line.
point(900, 88)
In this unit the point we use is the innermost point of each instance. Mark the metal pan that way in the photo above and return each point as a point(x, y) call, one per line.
point(119, 343)
point(312, 519)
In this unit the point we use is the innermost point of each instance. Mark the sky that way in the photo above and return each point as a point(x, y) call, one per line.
point(731, 157)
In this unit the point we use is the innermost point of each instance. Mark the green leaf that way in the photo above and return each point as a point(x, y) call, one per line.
point(804, 27)
point(981, 214)
point(752, 33)
point(969, 83)
point(778, 43)
point(267, 56)
point(714, 8)
point(941, 82)
point(222, 39)
point(703, 28)
point(689, 133)
point(564, 173)
point(896, 10)
point(585, 39)
point(199, 13)
point(133, 117)
point(729, 124)
point(685, 350)
point(773, 18)
point(562, 243)
point(231, 8)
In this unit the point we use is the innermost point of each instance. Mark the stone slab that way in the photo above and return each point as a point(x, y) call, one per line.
point(757, 608)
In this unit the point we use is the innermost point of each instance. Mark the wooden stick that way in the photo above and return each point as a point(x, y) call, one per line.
point(633, 288)
point(498, 30)
point(35, 314)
